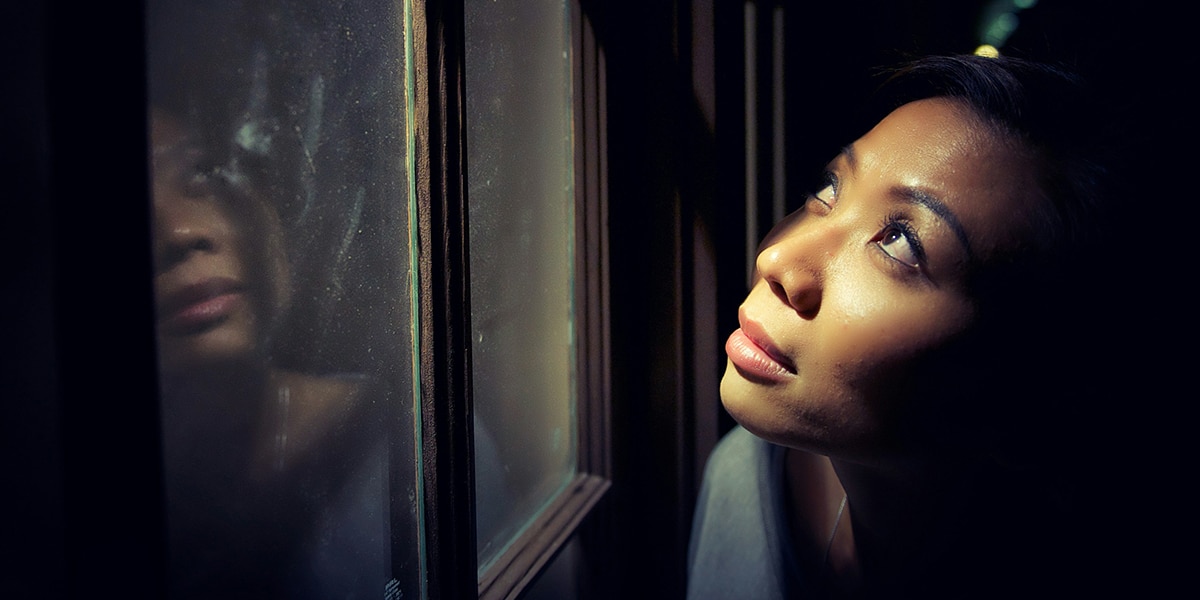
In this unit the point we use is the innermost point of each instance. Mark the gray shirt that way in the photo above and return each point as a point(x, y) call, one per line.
point(740, 545)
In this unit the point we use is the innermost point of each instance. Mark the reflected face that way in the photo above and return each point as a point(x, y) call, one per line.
point(220, 271)
point(860, 284)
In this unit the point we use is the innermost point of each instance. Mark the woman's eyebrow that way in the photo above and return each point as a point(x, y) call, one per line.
point(916, 195)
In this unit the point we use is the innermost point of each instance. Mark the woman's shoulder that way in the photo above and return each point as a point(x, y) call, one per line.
point(736, 545)
point(734, 452)
point(743, 471)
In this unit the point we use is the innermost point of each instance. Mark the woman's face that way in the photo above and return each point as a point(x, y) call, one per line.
point(854, 289)
point(220, 271)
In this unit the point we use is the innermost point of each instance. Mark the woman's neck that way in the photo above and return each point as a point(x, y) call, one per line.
point(260, 426)
point(215, 401)
point(819, 518)
point(894, 521)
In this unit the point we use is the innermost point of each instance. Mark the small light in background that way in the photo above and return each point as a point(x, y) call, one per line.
point(1000, 28)
point(999, 21)
point(987, 50)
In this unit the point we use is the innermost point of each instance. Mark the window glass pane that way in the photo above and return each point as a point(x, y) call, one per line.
point(282, 284)
point(521, 194)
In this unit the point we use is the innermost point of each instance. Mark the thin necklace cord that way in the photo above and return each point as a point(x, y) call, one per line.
point(833, 532)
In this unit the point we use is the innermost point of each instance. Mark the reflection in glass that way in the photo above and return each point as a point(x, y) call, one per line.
point(280, 239)
point(521, 195)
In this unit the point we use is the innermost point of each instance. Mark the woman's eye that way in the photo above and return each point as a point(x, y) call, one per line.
point(896, 243)
point(827, 194)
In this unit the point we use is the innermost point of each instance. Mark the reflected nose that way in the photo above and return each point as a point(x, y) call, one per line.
point(795, 264)
point(179, 229)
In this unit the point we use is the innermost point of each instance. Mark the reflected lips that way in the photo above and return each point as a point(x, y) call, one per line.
point(198, 307)
point(752, 352)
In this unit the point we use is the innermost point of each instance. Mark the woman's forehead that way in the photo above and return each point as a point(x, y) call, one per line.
point(939, 146)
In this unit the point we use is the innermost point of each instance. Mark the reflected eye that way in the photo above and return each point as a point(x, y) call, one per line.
point(198, 182)
point(900, 243)
point(196, 174)
point(205, 179)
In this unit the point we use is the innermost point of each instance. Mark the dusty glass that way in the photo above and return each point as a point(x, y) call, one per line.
point(521, 214)
point(281, 236)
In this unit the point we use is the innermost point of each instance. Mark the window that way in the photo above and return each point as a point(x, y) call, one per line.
point(283, 287)
point(516, 332)
point(521, 201)
point(396, 323)
point(339, 311)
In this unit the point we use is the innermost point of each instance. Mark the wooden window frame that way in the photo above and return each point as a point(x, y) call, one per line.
point(444, 336)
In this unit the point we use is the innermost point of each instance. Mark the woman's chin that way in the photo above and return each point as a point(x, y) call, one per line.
point(210, 353)
point(799, 417)
point(749, 403)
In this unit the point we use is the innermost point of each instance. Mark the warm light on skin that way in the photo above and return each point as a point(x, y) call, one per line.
point(848, 316)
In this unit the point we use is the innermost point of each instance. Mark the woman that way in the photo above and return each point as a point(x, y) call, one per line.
point(883, 377)
point(275, 478)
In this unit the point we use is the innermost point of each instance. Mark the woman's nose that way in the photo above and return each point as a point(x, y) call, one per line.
point(796, 263)
point(179, 229)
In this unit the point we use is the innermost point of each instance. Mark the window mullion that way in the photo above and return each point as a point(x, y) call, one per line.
point(445, 373)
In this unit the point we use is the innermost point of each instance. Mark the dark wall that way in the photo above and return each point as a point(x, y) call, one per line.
point(79, 381)
point(649, 112)
point(33, 554)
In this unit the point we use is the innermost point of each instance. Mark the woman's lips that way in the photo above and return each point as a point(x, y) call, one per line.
point(199, 307)
point(752, 352)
